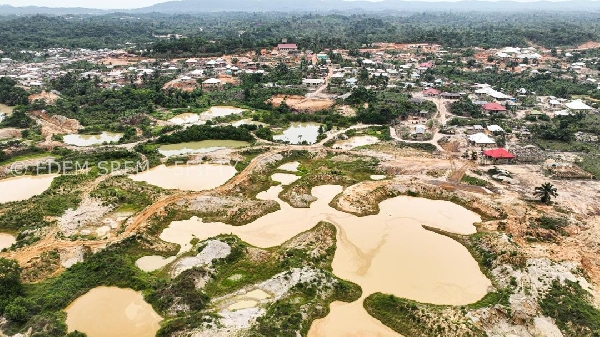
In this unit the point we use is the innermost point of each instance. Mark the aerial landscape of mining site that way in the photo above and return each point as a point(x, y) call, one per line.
point(322, 168)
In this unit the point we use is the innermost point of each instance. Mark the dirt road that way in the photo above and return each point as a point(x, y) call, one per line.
point(440, 117)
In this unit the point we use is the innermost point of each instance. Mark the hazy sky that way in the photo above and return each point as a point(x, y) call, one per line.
point(83, 3)
point(111, 4)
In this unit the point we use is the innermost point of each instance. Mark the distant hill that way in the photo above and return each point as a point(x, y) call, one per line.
point(203, 6)
point(32, 10)
point(198, 6)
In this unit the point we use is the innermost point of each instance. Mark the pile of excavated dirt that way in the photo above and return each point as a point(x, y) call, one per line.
point(524, 317)
point(55, 124)
point(213, 250)
point(319, 240)
point(69, 257)
point(8, 133)
point(578, 196)
point(236, 322)
point(187, 85)
point(89, 213)
point(302, 103)
point(47, 97)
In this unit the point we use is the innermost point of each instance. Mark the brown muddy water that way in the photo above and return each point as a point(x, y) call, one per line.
point(90, 140)
point(6, 240)
point(221, 111)
point(187, 177)
point(23, 187)
point(154, 262)
point(389, 252)
point(292, 166)
point(110, 312)
point(285, 178)
point(186, 118)
point(203, 146)
point(300, 132)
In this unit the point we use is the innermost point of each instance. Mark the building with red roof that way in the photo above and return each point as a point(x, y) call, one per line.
point(498, 154)
point(493, 107)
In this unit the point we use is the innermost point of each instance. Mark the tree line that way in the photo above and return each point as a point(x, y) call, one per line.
point(218, 33)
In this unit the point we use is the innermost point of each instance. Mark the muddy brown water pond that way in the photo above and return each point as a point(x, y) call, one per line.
point(154, 262)
point(292, 166)
point(6, 240)
point(215, 111)
point(91, 140)
point(285, 178)
point(300, 132)
point(203, 146)
point(249, 300)
point(221, 111)
point(187, 177)
point(110, 312)
point(23, 187)
point(389, 252)
point(5, 110)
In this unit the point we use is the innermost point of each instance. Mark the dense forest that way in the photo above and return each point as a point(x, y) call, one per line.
point(82, 99)
point(10, 94)
point(317, 32)
point(204, 132)
point(541, 84)
point(217, 33)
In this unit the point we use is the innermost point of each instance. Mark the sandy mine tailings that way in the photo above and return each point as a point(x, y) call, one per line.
point(187, 86)
point(120, 61)
point(301, 103)
point(8, 133)
point(589, 45)
point(55, 124)
point(45, 96)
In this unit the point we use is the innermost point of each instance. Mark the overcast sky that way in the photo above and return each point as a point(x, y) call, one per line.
point(113, 4)
point(83, 3)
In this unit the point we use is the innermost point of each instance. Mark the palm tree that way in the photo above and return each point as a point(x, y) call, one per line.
point(545, 192)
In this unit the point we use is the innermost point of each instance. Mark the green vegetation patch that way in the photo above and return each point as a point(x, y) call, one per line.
point(204, 132)
point(39, 306)
point(427, 147)
point(411, 318)
point(247, 265)
point(571, 307)
point(127, 195)
point(334, 169)
point(64, 193)
point(474, 181)
point(590, 162)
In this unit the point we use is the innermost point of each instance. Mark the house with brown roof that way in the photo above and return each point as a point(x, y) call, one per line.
point(287, 47)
